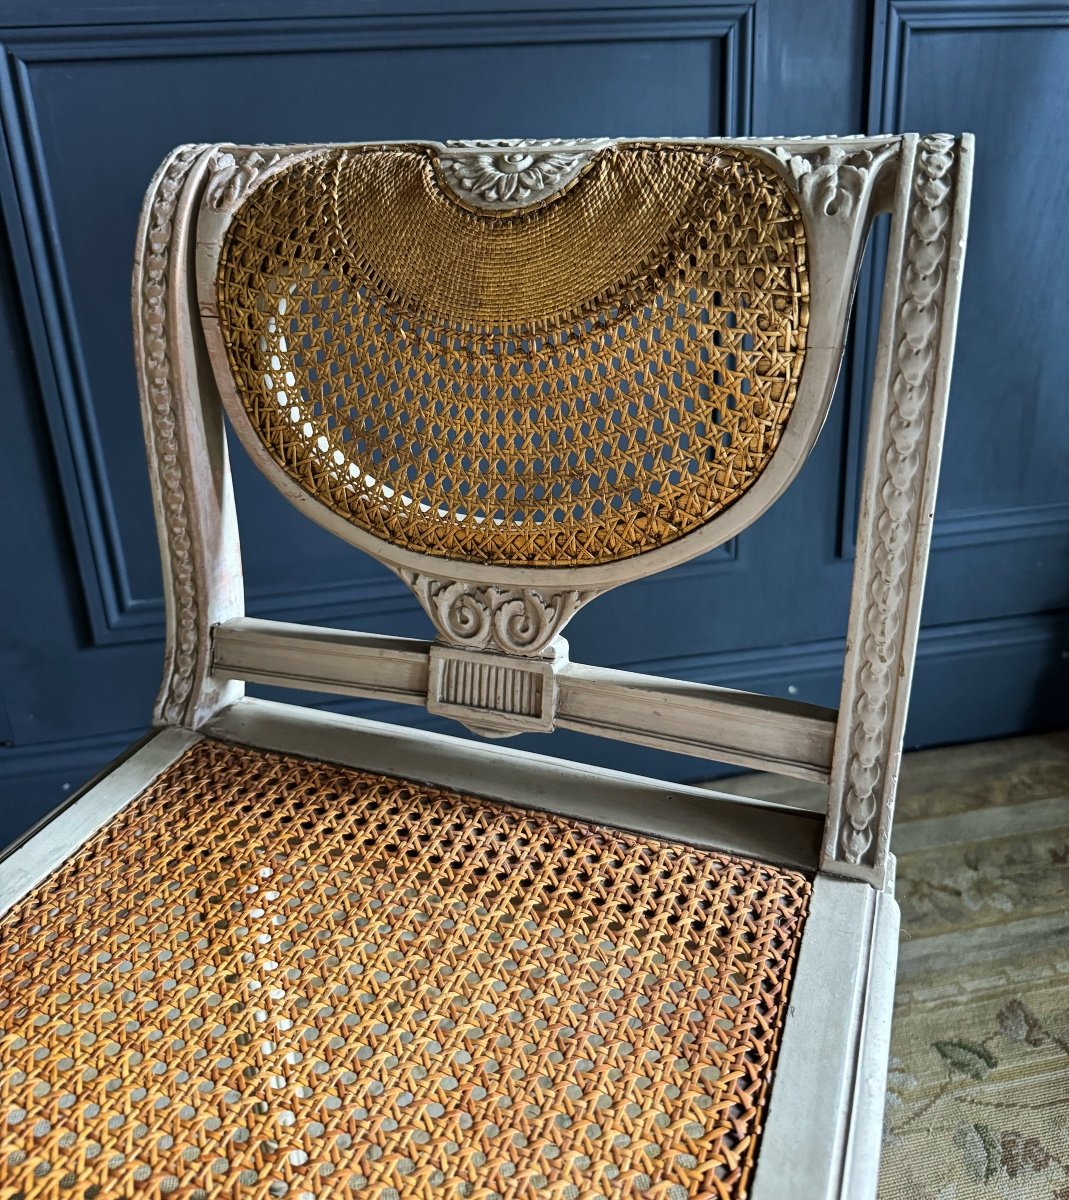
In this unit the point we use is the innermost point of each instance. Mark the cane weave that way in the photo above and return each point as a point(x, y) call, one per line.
point(270, 977)
point(572, 383)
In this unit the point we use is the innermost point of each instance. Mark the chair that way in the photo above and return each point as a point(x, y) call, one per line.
point(277, 952)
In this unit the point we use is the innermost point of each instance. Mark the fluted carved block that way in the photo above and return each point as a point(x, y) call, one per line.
point(496, 695)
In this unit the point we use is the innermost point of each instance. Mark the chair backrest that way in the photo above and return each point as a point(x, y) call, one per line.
point(522, 373)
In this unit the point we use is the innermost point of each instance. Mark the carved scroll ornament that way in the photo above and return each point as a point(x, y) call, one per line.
point(511, 620)
point(233, 174)
point(833, 179)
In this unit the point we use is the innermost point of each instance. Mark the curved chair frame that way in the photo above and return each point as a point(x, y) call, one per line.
point(822, 1129)
point(833, 251)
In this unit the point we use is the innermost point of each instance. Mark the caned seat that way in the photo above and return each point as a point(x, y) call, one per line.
point(274, 952)
point(272, 976)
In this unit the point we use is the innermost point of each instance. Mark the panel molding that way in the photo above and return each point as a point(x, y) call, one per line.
point(896, 20)
point(73, 15)
point(115, 614)
point(989, 526)
point(894, 23)
point(77, 757)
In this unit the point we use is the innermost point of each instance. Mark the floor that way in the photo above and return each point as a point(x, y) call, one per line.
point(978, 1093)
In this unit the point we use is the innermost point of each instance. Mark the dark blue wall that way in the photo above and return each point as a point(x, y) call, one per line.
point(92, 97)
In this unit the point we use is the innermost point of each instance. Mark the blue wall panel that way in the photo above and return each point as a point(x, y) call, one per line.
point(91, 98)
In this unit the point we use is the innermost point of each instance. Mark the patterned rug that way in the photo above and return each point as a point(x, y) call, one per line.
point(978, 1092)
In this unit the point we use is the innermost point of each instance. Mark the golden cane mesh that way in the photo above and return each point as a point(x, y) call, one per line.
point(573, 383)
point(269, 977)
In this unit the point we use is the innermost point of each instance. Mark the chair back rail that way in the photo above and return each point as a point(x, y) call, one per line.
point(514, 434)
point(761, 732)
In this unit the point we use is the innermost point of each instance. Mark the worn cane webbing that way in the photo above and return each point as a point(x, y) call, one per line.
point(573, 383)
point(270, 977)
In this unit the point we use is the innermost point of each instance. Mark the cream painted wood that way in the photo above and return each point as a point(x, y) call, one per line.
point(787, 736)
point(307, 657)
point(188, 466)
point(908, 411)
point(749, 730)
point(50, 845)
point(867, 1103)
point(824, 1126)
point(677, 811)
point(497, 694)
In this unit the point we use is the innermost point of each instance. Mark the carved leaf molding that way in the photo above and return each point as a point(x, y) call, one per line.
point(159, 389)
point(485, 617)
point(923, 279)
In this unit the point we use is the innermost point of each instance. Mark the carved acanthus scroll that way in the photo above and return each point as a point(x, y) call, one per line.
point(233, 173)
point(898, 495)
point(833, 179)
point(511, 620)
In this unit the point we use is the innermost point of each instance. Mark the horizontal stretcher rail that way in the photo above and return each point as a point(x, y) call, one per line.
point(765, 733)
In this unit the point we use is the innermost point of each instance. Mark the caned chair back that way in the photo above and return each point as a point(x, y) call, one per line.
point(522, 373)
point(576, 381)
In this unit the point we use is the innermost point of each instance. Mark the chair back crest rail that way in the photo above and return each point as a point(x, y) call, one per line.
point(523, 373)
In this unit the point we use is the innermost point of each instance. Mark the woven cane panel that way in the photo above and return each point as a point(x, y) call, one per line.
point(573, 383)
point(274, 978)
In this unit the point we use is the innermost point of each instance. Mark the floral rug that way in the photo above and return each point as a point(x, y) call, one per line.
point(978, 1093)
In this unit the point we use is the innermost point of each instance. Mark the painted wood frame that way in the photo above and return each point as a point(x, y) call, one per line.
point(911, 385)
point(840, 185)
point(730, 726)
point(822, 1132)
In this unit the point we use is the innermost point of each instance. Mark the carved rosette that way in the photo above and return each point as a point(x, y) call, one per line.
point(484, 617)
point(514, 172)
point(898, 496)
point(831, 181)
point(159, 390)
point(231, 176)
